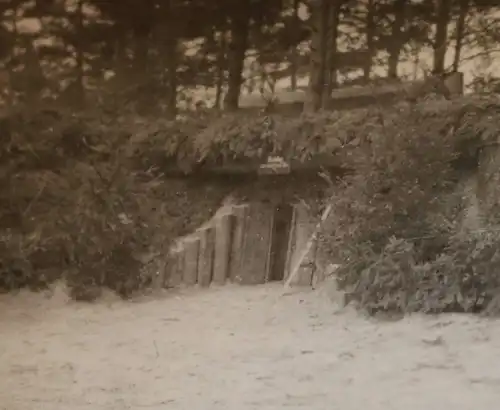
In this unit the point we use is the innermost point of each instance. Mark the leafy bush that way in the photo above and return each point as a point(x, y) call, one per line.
point(464, 278)
point(396, 227)
point(83, 197)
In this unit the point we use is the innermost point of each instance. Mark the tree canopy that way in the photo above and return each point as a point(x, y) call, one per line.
point(164, 56)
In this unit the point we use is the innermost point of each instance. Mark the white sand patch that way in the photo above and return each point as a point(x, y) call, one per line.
point(239, 348)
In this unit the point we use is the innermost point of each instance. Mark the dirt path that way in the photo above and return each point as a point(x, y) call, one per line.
point(239, 349)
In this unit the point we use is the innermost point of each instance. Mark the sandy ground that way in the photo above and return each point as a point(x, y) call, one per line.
point(239, 348)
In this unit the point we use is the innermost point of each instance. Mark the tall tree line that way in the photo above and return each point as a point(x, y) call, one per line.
point(154, 53)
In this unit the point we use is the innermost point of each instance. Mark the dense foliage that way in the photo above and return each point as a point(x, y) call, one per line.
point(402, 227)
point(86, 199)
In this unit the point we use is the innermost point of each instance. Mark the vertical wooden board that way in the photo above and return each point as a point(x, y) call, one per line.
point(167, 270)
point(206, 256)
point(191, 250)
point(256, 244)
point(318, 272)
point(222, 249)
point(304, 228)
point(174, 266)
point(238, 224)
point(160, 277)
point(291, 245)
point(307, 268)
point(280, 238)
point(181, 263)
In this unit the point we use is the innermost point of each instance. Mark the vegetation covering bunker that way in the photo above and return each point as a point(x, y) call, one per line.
point(334, 151)
point(135, 186)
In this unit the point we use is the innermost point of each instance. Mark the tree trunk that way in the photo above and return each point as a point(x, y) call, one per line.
point(330, 79)
point(120, 63)
point(443, 11)
point(294, 55)
point(172, 82)
point(416, 61)
point(171, 54)
point(80, 57)
point(460, 32)
point(10, 97)
point(240, 26)
point(221, 69)
point(141, 54)
point(142, 31)
point(319, 36)
point(162, 78)
point(370, 38)
point(260, 46)
point(34, 78)
point(397, 39)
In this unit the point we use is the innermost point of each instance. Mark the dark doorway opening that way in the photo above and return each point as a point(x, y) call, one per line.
point(282, 224)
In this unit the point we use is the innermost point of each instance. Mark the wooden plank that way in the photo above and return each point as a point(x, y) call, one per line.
point(238, 222)
point(206, 256)
point(159, 277)
point(304, 227)
point(268, 248)
point(357, 96)
point(280, 241)
point(191, 250)
point(291, 244)
point(351, 59)
point(223, 238)
point(174, 266)
point(256, 245)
